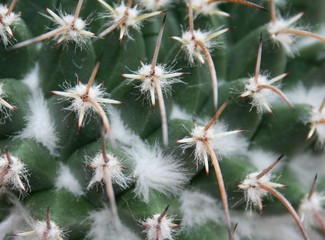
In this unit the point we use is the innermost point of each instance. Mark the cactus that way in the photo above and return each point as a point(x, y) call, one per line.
point(111, 112)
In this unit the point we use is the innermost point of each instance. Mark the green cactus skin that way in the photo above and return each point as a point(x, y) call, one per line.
point(59, 164)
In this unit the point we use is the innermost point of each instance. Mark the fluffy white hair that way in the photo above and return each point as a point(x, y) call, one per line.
point(155, 170)
point(268, 227)
point(197, 209)
point(39, 125)
point(67, 181)
point(103, 227)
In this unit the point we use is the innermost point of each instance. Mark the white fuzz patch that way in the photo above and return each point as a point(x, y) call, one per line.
point(67, 181)
point(179, 113)
point(277, 31)
point(306, 42)
point(313, 96)
point(262, 159)
point(10, 224)
point(102, 167)
point(32, 79)
point(197, 209)
point(154, 4)
point(280, 3)
point(13, 173)
point(261, 98)
point(270, 227)
point(204, 7)
point(73, 30)
point(17, 221)
point(306, 165)
point(246, 228)
point(308, 207)
point(302, 95)
point(103, 227)
point(158, 228)
point(224, 143)
point(252, 190)
point(40, 126)
point(120, 131)
point(7, 22)
point(40, 229)
point(154, 170)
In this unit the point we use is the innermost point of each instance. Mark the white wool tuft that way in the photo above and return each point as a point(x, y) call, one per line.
point(10, 224)
point(17, 221)
point(154, 4)
point(32, 79)
point(266, 227)
point(305, 42)
point(40, 125)
point(262, 159)
point(37, 229)
point(154, 170)
point(302, 95)
point(306, 165)
point(103, 228)
point(67, 181)
point(120, 131)
point(179, 113)
point(204, 7)
point(246, 223)
point(280, 3)
point(198, 209)
point(309, 206)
